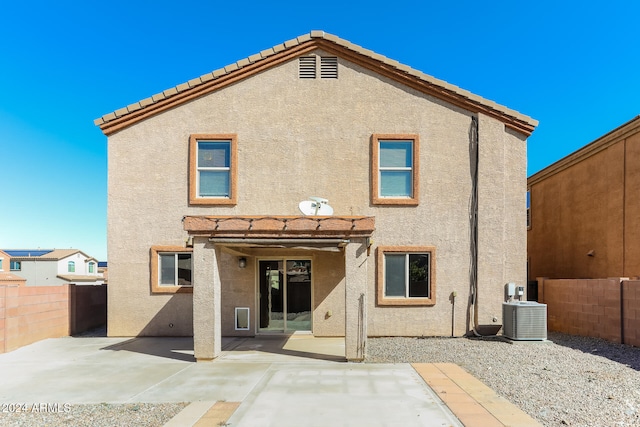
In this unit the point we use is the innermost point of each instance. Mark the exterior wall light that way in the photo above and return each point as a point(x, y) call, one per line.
point(242, 262)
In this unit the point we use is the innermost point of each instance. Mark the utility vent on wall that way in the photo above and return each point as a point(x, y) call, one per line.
point(307, 67)
point(524, 320)
point(328, 67)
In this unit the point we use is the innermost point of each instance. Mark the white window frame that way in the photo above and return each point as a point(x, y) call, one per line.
point(227, 169)
point(176, 269)
point(407, 274)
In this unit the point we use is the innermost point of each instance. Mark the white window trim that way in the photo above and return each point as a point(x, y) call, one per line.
point(175, 269)
point(407, 274)
point(200, 169)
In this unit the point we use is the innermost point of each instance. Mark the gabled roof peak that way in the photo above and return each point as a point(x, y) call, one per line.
point(316, 39)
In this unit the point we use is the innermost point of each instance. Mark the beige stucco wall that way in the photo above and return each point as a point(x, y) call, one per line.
point(298, 138)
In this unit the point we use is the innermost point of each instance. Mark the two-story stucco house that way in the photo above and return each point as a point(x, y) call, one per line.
point(426, 185)
point(53, 267)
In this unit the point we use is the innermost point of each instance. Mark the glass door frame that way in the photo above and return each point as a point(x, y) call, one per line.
point(284, 260)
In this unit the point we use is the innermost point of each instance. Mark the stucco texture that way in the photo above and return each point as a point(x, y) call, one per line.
point(584, 221)
point(311, 137)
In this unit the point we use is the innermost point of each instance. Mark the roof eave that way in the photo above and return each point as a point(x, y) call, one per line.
point(612, 137)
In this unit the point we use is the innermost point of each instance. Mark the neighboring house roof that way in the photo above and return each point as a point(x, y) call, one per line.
point(44, 255)
point(14, 253)
point(629, 128)
point(10, 278)
point(79, 278)
point(203, 85)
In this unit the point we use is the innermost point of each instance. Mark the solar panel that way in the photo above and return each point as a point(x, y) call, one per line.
point(27, 252)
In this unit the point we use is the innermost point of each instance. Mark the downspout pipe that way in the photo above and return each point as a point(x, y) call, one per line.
point(474, 160)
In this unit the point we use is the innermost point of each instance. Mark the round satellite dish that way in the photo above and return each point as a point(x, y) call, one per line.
point(316, 206)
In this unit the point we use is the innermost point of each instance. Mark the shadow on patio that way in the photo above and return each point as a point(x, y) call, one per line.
point(272, 348)
point(282, 348)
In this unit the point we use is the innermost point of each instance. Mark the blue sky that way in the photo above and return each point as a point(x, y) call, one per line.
point(571, 65)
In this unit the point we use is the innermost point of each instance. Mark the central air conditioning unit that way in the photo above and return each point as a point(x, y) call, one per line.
point(524, 320)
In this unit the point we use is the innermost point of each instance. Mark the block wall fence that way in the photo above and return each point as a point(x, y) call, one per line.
point(32, 313)
point(601, 308)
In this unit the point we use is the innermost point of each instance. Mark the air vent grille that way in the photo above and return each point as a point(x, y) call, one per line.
point(328, 67)
point(307, 68)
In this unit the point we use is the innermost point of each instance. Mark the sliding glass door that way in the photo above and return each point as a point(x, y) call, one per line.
point(284, 295)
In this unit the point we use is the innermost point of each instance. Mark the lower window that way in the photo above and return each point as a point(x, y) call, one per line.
point(171, 269)
point(406, 275)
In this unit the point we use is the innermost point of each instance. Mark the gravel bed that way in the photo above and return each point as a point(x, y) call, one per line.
point(568, 380)
point(107, 415)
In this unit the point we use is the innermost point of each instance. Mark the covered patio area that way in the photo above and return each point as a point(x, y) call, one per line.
point(221, 285)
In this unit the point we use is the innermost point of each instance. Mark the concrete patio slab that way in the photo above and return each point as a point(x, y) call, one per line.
point(342, 394)
point(266, 381)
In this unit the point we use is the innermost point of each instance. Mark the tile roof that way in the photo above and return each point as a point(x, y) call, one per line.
point(207, 83)
point(10, 277)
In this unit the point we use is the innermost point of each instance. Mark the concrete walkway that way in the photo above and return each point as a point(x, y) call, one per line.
point(271, 381)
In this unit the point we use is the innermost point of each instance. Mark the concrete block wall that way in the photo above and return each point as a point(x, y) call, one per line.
point(631, 312)
point(601, 308)
point(30, 314)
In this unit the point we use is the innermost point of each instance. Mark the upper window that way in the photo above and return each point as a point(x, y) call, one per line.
point(71, 267)
point(92, 267)
point(171, 269)
point(212, 170)
point(1, 259)
point(15, 265)
point(406, 275)
point(394, 169)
